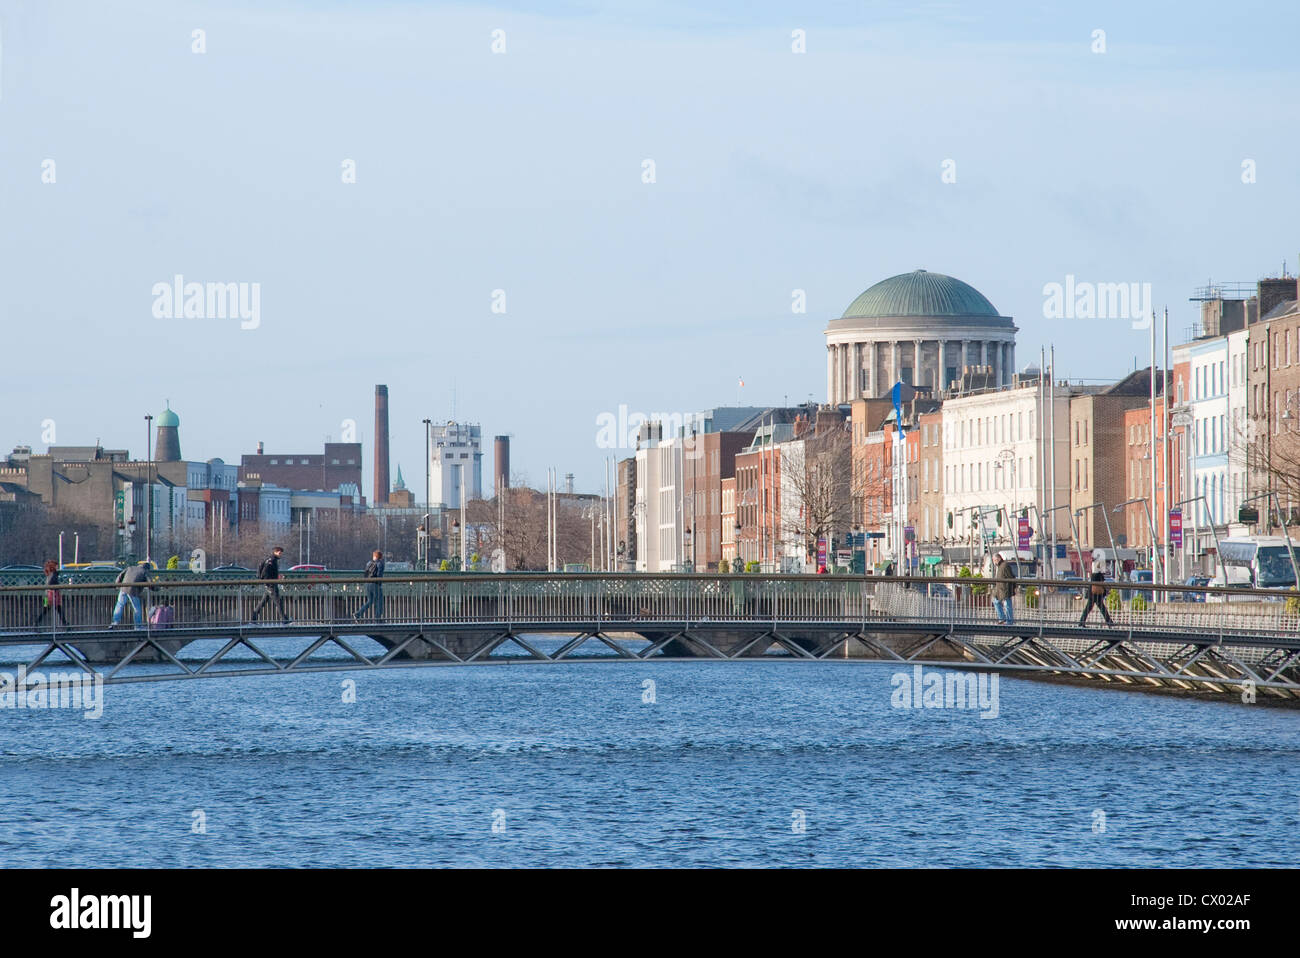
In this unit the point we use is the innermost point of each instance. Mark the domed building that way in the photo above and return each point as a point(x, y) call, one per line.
point(168, 446)
point(919, 328)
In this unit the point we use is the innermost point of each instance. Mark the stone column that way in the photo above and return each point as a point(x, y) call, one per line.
point(1011, 359)
point(894, 350)
point(873, 387)
point(965, 355)
point(943, 363)
point(997, 363)
point(830, 375)
point(856, 370)
point(917, 378)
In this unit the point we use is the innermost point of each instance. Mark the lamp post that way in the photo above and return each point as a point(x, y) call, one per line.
point(148, 515)
point(1078, 549)
point(1213, 531)
point(428, 488)
point(1078, 514)
point(455, 538)
point(1151, 525)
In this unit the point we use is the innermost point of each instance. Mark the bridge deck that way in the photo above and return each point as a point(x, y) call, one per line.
point(479, 620)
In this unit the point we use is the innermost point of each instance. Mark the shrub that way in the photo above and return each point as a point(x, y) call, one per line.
point(174, 562)
point(752, 567)
point(724, 567)
point(1139, 604)
point(1031, 597)
point(1112, 601)
point(1293, 606)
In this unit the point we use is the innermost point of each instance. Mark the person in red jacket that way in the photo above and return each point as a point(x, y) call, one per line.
point(53, 597)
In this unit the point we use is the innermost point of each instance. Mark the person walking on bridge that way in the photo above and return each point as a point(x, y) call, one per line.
point(1004, 587)
point(53, 598)
point(130, 579)
point(1097, 597)
point(374, 591)
point(269, 572)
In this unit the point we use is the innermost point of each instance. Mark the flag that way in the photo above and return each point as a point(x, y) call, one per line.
point(742, 384)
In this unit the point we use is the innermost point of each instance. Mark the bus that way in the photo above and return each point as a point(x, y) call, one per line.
point(1256, 562)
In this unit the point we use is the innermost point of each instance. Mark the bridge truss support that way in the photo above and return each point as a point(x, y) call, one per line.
point(1188, 662)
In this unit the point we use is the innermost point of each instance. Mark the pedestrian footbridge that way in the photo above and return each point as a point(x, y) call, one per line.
point(1176, 637)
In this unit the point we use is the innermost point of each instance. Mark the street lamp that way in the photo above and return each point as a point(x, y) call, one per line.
point(428, 488)
point(1151, 525)
point(148, 516)
point(455, 538)
point(1074, 534)
point(1078, 514)
point(422, 541)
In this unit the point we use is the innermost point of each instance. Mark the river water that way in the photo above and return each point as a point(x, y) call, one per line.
point(714, 764)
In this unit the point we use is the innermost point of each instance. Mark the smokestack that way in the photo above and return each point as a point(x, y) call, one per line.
point(568, 483)
point(501, 463)
point(381, 446)
point(259, 447)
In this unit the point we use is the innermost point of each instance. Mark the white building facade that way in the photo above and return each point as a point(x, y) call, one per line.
point(994, 445)
point(456, 463)
point(1209, 381)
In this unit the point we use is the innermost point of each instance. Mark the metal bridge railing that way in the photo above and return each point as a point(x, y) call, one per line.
point(628, 599)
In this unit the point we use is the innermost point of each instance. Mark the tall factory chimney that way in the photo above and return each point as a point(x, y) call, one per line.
point(501, 463)
point(381, 446)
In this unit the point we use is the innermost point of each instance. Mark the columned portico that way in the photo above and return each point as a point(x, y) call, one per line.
point(927, 323)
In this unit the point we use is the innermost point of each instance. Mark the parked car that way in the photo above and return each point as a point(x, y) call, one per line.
point(21, 568)
point(1143, 575)
point(232, 568)
point(307, 568)
point(1071, 589)
point(1194, 580)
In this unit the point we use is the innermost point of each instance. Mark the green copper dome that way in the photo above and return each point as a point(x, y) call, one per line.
point(168, 418)
point(920, 294)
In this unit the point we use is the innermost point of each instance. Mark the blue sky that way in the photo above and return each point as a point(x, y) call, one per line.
point(523, 172)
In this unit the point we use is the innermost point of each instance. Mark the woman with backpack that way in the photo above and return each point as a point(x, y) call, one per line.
point(1097, 597)
point(53, 597)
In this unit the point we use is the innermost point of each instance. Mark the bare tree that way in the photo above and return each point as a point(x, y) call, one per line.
point(827, 490)
point(515, 525)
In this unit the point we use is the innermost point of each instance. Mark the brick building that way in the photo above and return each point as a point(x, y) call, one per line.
point(337, 468)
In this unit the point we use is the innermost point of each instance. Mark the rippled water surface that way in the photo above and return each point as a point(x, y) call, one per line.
point(575, 769)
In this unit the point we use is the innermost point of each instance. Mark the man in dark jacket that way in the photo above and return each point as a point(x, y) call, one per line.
point(1097, 597)
point(269, 572)
point(130, 579)
point(1004, 587)
point(374, 592)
